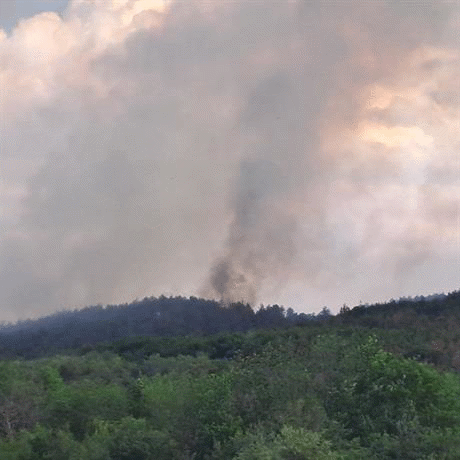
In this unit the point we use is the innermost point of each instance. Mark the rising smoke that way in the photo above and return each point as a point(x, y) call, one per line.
point(290, 151)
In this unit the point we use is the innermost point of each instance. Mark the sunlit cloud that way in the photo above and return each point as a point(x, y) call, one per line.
point(229, 149)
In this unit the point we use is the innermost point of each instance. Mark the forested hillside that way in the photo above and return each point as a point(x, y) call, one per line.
point(180, 316)
point(371, 383)
point(151, 316)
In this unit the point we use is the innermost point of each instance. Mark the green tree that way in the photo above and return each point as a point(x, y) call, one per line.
point(290, 444)
point(133, 439)
point(391, 400)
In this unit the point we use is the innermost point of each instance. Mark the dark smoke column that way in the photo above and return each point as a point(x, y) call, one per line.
point(261, 235)
point(260, 242)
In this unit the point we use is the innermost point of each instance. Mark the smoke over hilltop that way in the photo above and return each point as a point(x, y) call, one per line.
point(290, 151)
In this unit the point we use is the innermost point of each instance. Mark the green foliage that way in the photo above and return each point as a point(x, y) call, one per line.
point(89, 400)
point(58, 397)
point(321, 392)
point(101, 367)
point(299, 444)
point(389, 401)
point(45, 444)
point(75, 405)
point(290, 444)
point(212, 409)
point(195, 365)
point(199, 408)
point(133, 439)
point(417, 443)
point(277, 382)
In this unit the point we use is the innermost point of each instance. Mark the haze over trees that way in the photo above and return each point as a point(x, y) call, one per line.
point(151, 316)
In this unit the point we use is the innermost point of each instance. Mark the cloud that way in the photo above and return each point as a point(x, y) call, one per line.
point(231, 149)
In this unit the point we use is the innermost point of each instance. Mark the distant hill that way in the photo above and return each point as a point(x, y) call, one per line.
point(180, 316)
point(163, 316)
point(399, 313)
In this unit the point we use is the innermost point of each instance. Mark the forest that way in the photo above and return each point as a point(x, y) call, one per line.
point(182, 379)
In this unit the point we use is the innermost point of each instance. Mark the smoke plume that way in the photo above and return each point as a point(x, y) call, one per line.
point(297, 152)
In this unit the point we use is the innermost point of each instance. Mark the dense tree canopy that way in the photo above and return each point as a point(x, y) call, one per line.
point(265, 386)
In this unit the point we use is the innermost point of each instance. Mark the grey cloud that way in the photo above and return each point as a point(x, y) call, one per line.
point(203, 165)
point(450, 98)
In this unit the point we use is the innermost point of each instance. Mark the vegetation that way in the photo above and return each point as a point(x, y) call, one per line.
point(375, 382)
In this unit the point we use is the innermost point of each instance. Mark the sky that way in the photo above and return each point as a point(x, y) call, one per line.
point(292, 152)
